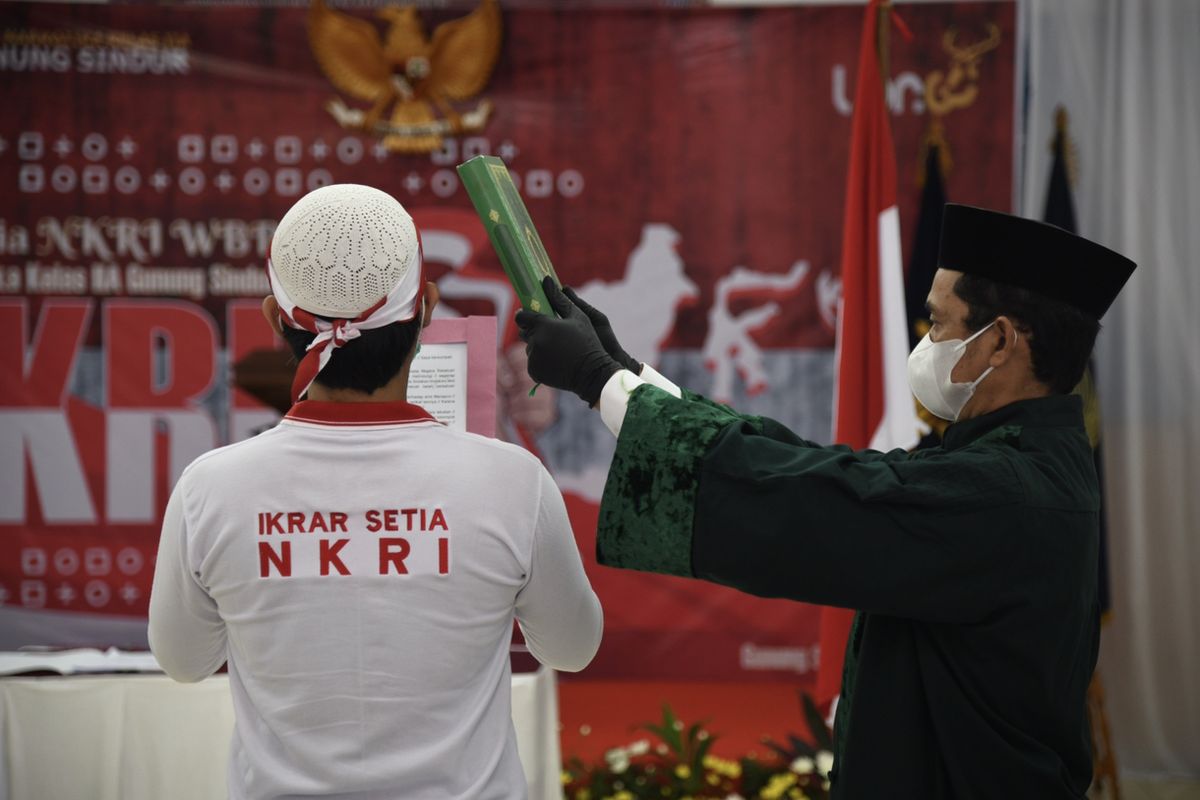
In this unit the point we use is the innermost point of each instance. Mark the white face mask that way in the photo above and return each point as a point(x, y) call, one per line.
point(929, 367)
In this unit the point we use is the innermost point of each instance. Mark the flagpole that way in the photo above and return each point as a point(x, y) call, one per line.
point(873, 407)
point(882, 42)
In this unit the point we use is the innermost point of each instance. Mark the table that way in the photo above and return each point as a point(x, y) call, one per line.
point(129, 737)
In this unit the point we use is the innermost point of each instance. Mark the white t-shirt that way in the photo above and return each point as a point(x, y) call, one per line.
point(360, 566)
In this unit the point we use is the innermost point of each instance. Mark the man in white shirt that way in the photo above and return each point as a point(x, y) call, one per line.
point(359, 566)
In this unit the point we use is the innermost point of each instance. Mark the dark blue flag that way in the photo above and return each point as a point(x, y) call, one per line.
point(1060, 211)
point(923, 259)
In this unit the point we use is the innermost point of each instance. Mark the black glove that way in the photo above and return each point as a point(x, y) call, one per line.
point(565, 353)
point(605, 333)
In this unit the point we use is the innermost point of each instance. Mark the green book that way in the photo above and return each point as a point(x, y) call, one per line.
point(511, 230)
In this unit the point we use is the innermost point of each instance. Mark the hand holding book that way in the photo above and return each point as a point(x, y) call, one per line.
point(604, 332)
point(566, 352)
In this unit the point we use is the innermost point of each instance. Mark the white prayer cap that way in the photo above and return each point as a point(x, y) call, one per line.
point(343, 248)
point(350, 253)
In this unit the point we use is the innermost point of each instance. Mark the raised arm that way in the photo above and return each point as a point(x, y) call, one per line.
point(558, 612)
point(698, 492)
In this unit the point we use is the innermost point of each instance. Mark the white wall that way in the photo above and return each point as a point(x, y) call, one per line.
point(1128, 71)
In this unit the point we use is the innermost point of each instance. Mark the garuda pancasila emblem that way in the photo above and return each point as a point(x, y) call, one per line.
point(417, 77)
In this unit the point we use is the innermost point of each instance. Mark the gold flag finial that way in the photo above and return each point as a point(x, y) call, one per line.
point(1062, 139)
point(1061, 120)
point(882, 41)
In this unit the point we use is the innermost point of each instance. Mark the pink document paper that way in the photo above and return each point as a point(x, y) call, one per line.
point(456, 372)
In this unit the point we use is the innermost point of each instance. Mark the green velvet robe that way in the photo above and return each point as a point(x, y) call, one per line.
point(972, 565)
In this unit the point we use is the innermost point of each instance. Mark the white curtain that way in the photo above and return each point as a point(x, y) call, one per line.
point(1128, 71)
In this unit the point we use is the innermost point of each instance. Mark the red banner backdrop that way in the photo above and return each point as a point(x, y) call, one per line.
point(685, 168)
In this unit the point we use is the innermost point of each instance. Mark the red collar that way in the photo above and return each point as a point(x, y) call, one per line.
point(322, 412)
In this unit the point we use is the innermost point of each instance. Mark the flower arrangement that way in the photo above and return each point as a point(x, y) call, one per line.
point(679, 766)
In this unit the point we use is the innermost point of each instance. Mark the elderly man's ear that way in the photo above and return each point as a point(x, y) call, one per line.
point(270, 310)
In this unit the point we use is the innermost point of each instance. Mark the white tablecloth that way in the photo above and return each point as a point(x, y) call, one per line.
point(129, 737)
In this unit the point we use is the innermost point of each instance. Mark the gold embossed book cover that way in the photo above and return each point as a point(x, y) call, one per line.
point(510, 229)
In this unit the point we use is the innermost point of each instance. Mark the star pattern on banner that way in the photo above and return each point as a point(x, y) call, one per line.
point(507, 151)
point(65, 594)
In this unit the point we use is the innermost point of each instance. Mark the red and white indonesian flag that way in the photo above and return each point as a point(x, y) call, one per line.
point(873, 406)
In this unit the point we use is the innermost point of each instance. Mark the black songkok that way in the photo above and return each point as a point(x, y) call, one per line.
point(1033, 255)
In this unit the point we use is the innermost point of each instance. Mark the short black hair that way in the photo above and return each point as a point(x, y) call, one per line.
point(363, 364)
point(1060, 336)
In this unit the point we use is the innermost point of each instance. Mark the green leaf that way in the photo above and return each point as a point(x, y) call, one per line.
point(650, 727)
point(754, 776)
point(701, 752)
point(670, 732)
point(801, 747)
point(691, 738)
point(780, 750)
point(822, 736)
